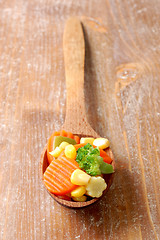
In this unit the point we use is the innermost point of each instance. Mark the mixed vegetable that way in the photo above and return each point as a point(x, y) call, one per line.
point(77, 166)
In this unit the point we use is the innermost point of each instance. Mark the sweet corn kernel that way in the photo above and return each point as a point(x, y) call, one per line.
point(79, 177)
point(87, 140)
point(56, 152)
point(80, 199)
point(63, 145)
point(102, 143)
point(78, 192)
point(70, 151)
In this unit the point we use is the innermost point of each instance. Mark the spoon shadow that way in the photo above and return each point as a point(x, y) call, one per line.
point(117, 208)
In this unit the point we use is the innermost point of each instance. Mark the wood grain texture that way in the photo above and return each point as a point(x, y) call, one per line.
point(122, 97)
point(74, 61)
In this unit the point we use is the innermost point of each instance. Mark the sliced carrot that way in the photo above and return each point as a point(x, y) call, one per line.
point(77, 139)
point(79, 145)
point(65, 197)
point(51, 140)
point(70, 135)
point(63, 133)
point(50, 146)
point(57, 133)
point(103, 154)
point(57, 175)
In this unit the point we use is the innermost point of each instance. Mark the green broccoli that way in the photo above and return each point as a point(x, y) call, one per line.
point(89, 159)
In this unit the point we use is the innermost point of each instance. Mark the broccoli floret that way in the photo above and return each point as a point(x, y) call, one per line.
point(89, 159)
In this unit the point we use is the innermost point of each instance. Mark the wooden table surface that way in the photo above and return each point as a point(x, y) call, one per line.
point(122, 97)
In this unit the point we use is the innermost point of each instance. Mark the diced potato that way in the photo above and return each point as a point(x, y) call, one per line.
point(79, 177)
point(87, 140)
point(78, 192)
point(80, 199)
point(56, 152)
point(70, 151)
point(102, 143)
point(63, 145)
point(96, 186)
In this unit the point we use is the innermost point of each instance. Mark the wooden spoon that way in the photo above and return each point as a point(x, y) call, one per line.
point(75, 120)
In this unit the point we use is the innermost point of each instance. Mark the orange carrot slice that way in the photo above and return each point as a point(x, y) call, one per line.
point(63, 133)
point(77, 139)
point(51, 140)
point(57, 175)
point(50, 146)
point(65, 197)
point(105, 156)
point(70, 135)
point(79, 145)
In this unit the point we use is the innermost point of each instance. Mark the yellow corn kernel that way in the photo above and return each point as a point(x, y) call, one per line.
point(80, 199)
point(63, 145)
point(102, 143)
point(79, 177)
point(56, 152)
point(70, 151)
point(87, 140)
point(78, 192)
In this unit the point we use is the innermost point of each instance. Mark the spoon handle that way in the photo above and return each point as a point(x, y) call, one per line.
point(74, 57)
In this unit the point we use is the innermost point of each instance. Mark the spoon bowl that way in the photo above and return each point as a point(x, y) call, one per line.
point(75, 120)
point(108, 179)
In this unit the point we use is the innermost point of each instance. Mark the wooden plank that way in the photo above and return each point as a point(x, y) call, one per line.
point(122, 95)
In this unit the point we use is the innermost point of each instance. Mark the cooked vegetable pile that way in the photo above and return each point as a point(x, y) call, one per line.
point(76, 166)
